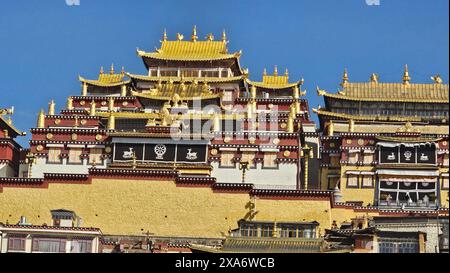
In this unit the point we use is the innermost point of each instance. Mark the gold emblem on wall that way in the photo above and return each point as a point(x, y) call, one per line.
point(214, 152)
point(444, 143)
point(349, 141)
point(227, 139)
point(98, 137)
point(49, 136)
point(251, 140)
point(360, 141)
point(286, 153)
point(74, 136)
point(270, 106)
point(108, 150)
point(39, 148)
point(83, 122)
point(332, 145)
point(82, 102)
point(283, 125)
point(57, 121)
point(125, 103)
point(103, 103)
point(276, 141)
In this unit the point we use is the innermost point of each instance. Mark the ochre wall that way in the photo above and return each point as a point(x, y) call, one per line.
point(119, 206)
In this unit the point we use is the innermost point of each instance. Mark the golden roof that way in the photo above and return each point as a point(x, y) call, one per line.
point(185, 79)
point(275, 81)
point(191, 51)
point(321, 112)
point(8, 122)
point(393, 92)
point(166, 91)
point(107, 79)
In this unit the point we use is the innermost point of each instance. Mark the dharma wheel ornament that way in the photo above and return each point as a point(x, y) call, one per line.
point(49, 136)
point(108, 150)
point(39, 148)
point(214, 152)
point(286, 153)
point(98, 137)
point(74, 136)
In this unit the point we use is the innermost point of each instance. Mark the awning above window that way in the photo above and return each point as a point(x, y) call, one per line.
point(409, 172)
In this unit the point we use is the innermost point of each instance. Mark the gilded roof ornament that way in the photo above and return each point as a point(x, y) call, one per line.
point(345, 77)
point(374, 78)
point(437, 79)
point(194, 36)
point(408, 128)
point(406, 77)
point(265, 72)
point(164, 38)
point(275, 71)
point(224, 36)
point(286, 73)
point(101, 70)
point(180, 37)
point(210, 37)
point(111, 71)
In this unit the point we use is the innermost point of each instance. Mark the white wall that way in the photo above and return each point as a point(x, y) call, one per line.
point(41, 166)
point(283, 177)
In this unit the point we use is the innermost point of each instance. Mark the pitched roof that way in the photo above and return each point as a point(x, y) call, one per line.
point(275, 81)
point(106, 79)
point(266, 245)
point(7, 125)
point(394, 92)
point(191, 51)
point(185, 79)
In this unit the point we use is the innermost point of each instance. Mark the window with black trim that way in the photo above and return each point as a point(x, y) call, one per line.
point(352, 181)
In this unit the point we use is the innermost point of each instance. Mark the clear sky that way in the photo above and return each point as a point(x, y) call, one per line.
point(46, 44)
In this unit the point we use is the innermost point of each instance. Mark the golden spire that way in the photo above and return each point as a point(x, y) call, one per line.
point(275, 230)
point(224, 36)
point(122, 71)
point(265, 72)
point(374, 78)
point(164, 38)
point(194, 36)
point(406, 77)
point(111, 71)
point(101, 70)
point(275, 71)
point(51, 108)
point(286, 73)
point(93, 106)
point(41, 119)
point(69, 103)
point(345, 77)
point(180, 37)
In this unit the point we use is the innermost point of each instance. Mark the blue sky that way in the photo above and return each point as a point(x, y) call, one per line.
point(46, 44)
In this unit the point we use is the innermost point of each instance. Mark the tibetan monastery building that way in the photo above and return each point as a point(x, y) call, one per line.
point(195, 148)
point(386, 144)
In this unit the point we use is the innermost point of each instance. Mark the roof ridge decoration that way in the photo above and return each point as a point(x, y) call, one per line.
point(8, 122)
point(404, 91)
point(276, 81)
point(110, 79)
point(193, 50)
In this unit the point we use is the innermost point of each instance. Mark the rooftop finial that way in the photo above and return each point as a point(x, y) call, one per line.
point(111, 71)
point(194, 36)
point(164, 38)
point(224, 36)
point(210, 37)
point(101, 70)
point(345, 77)
point(437, 79)
point(265, 72)
point(123, 71)
point(275, 71)
point(180, 37)
point(406, 77)
point(286, 73)
point(374, 78)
